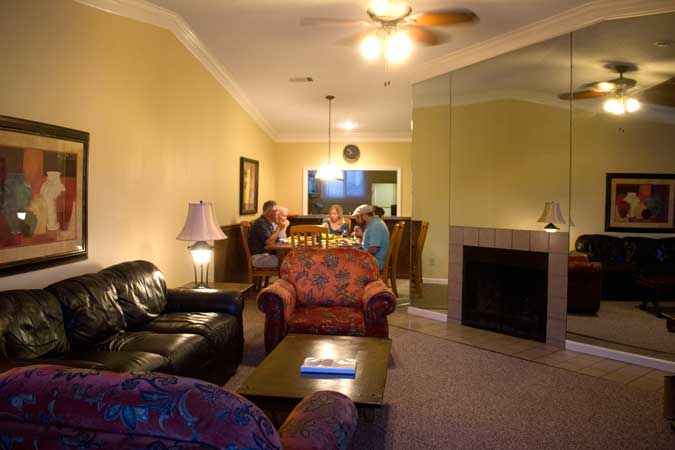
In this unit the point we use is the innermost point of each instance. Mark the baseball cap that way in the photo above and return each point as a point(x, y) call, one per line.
point(362, 209)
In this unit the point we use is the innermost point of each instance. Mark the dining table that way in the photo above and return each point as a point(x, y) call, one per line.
point(283, 246)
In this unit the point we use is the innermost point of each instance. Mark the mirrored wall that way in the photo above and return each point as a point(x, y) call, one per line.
point(564, 149)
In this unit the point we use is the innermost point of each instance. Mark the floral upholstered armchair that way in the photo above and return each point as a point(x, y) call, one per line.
point(49, 407)
point(326, 291)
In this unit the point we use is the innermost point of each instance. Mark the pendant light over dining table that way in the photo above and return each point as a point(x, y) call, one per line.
point(327, 171)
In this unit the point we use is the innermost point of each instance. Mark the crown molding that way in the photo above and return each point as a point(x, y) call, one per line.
point(146, 12)
point(550, 27)
point(353, 137)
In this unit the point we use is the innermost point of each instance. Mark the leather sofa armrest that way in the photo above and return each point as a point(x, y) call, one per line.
point(325, 420)
point(277, 301)
point(378, 300)
point(204, 300)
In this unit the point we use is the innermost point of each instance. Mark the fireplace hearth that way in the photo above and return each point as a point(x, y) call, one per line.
point(505, 291)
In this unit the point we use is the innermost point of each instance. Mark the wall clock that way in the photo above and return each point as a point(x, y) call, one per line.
point(351, 153)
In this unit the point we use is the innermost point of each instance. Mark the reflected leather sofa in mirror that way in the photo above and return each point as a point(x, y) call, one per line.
point(123, 318)
point(624, 258)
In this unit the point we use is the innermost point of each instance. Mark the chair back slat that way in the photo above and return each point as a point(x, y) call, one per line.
point(245, 227)
point(308, 236)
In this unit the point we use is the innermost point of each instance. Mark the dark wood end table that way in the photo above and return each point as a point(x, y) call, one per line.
point(243, 288)
point(276, 385)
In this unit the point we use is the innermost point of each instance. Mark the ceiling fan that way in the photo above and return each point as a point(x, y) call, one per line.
point(618, 89)
point(394, 27)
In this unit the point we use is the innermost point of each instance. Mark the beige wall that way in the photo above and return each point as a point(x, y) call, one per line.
point(607, 144)
point(507, 159)
point(431, 185)
point(163, 131)
point(294, 157)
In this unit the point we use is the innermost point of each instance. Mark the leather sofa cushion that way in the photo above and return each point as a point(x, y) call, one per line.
point(334, 320)
point(141, 290)
point(641, 250)
point(31, 324)
point(218, 329)
point(90, 309)
point(78, 364)
point(601, 248)
point(185, 352)
point(124, 361)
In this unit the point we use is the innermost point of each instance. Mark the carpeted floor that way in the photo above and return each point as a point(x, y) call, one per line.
point(442, 395)
point(624, 323)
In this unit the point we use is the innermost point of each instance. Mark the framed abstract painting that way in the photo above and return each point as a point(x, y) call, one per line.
point(248, 186)
point(43, 195)
point(640, 203)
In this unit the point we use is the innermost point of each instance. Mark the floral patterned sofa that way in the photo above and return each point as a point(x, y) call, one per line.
point(49, 407)
point(326, 291)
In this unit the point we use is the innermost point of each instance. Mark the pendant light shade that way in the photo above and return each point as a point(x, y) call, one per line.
point(327, 171)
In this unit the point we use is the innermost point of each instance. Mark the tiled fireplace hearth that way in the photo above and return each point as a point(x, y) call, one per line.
point(555, 245)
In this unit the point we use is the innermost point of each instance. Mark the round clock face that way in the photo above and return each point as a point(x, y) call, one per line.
point(351, 153)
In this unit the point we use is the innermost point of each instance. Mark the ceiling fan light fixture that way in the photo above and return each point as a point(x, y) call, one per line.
point(614, 106)
point(605, 86)
point(388, 9)
point(399, 47)
point(371, 47)
point(631, 104)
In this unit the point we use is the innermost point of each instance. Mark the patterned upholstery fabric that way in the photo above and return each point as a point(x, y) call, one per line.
point(329, 277)
point(58, 407)
point(321, 421)
point(326, 291)
point(335, 321)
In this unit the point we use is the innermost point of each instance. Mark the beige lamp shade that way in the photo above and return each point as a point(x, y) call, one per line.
point(551, 213)
point(201, 224)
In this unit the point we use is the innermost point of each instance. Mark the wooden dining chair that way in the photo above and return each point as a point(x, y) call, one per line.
point(256, 275)
point(416, 275)
point(308, 236)
point(388, 273)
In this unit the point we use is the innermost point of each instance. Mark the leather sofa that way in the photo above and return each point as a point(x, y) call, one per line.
point(123, 318)
point(624, 258)
point(52, 407)
point(326, 291)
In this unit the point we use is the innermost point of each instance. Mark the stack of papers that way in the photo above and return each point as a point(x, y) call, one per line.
point(346, 366)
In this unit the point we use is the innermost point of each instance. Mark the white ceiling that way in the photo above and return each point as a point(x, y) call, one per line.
point(261, 44)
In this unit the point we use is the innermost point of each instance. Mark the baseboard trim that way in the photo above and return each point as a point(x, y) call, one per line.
point(435, 280)
point(618, 355)
point(427, 314)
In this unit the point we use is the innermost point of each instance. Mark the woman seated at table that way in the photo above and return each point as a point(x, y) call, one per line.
point(335, 222)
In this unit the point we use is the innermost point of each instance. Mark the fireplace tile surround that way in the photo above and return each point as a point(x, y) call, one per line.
point(554, 244)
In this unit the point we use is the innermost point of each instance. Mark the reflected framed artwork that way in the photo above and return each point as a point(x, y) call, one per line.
point(640, 203)
point(248, 186)
point(43, 195)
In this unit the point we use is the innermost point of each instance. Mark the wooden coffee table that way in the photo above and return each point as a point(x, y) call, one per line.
point(276, 385)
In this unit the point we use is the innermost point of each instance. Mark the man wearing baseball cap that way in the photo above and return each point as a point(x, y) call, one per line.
point(376, 236)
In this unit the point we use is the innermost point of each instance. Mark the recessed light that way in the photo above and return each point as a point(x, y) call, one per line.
point(348, 125)
point(663, 43)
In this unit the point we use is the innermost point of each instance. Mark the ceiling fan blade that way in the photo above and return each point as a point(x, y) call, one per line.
point(581, 95)
point(354, 40)
point(600, 86)
point(424, 36)
point(662, 94)
point(451, 17)
point(311, 21)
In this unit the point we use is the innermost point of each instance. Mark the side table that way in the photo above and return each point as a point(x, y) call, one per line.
point(243, 288)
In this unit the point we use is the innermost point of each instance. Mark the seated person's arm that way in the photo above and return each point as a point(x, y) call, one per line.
point(372, 250)
point(272, 239)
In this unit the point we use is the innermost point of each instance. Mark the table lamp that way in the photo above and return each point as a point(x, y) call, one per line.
point(551, 215)
point(200, 226)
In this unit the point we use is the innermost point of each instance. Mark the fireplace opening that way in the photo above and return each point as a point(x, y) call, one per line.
point(505, 291)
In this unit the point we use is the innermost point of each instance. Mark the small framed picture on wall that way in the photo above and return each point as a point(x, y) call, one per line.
point(640, 203)
point(249, 173)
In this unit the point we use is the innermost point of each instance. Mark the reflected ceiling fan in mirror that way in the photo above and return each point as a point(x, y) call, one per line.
point(619, 102)
point(393, 28)
point(623, 93)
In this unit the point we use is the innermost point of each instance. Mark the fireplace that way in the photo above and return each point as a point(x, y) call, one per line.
point(505, 290)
